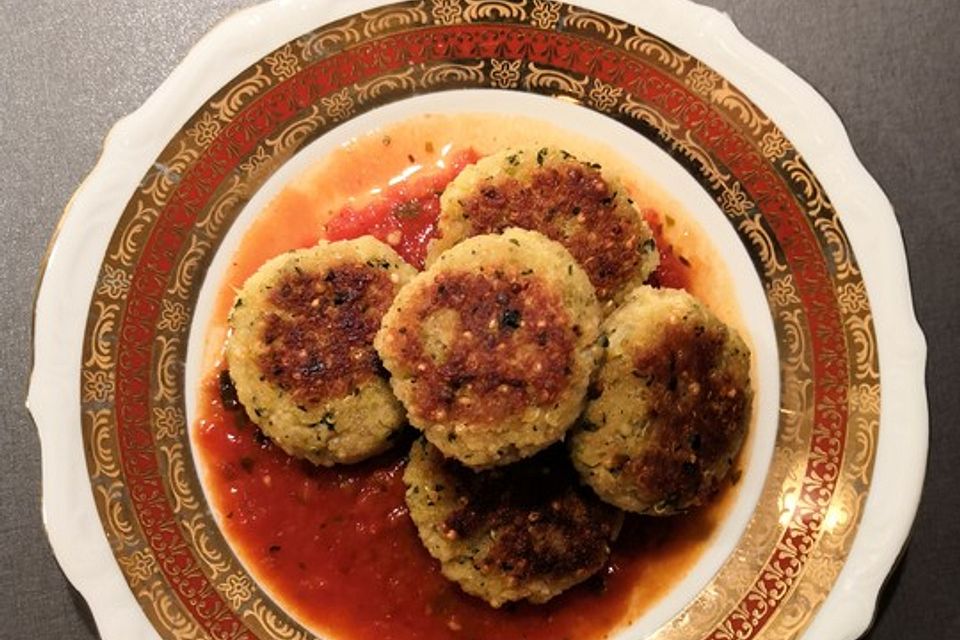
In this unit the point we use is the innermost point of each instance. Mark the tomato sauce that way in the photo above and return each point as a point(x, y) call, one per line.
point(673, 272)
point(336, 547)
point(405, 217)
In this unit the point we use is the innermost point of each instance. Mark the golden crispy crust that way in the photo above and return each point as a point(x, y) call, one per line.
point(319, 337)
point(669, 407)
point(699, 407)
point(514, 347)
point(569, 201)
point(300, 349)
point(525, 531)
point(492, 347)
point(544, 525)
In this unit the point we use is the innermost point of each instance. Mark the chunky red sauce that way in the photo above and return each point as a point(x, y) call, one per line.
point(337, 547)
point(673, 272)
point(405, 216)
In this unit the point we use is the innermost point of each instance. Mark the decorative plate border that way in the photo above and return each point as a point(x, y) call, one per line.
point(157, 256)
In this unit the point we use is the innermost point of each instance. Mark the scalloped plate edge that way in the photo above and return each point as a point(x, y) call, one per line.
point(69, 278)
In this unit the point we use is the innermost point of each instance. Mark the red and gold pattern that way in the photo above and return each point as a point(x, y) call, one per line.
point(151, 504)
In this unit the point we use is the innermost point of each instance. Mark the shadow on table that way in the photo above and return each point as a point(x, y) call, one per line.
point(886, 594)
point(83, 609)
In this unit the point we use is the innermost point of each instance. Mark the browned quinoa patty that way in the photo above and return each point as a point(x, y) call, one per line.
point(301, 351)
point(524, 531)
point(671, 406)
point(567, 200)
point(491, 349)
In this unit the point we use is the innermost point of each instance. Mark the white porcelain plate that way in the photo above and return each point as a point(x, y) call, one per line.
point(744, 152)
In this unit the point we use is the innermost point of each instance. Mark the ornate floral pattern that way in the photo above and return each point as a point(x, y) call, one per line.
point(604, 97)
point(339, 105)
point(866, 397)
point(703, 80)
point(505, 74)
point(98, 386)
point(545, 14)
point(853, 297)
point(782, 292)
point(447, 11)
point(283, 64)
point(774, 146)
point(238, 589)
point(205, 130)
point(139, 566)
point(735, 201)
point(114, 283)
point(168, 422)
point(174, 316)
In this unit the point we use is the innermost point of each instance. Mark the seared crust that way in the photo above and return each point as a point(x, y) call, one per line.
point(569, 201)
point(526, 531)
point(318, 338)
point(514, 347)
point(491, 349)
point(672, 408)
point(301, 350)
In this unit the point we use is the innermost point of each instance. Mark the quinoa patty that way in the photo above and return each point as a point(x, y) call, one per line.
point(491, 349)
point(301, 350)
point(567, 200)
point(525, 531)
point(672, 409)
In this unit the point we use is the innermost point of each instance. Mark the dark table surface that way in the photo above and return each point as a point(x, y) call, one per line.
point(70, 68)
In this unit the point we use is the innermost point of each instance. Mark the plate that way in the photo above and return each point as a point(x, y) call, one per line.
point(838, 451)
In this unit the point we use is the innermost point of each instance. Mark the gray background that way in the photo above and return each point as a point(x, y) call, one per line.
point(69, 69)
